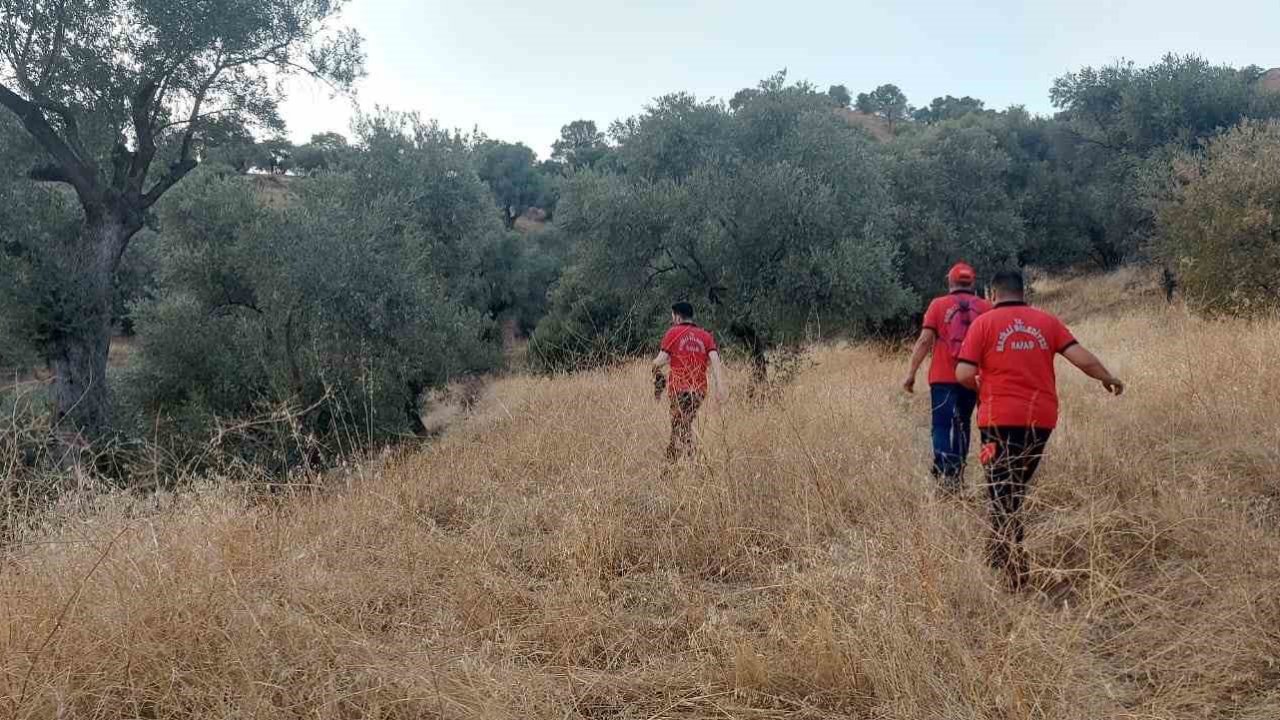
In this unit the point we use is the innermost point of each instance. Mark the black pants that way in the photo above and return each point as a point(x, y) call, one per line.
point(1011, 456)
point(684, 410)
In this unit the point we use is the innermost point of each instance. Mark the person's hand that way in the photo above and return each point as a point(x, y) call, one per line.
point(909, 384)
point(1114, 386)
point(722, 395)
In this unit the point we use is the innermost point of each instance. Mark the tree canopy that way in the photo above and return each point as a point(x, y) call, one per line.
point(511, 172)
point(1220, 223)
point(581, 145)
point(948, 108)
point(119, 96)
point(839, 94)
point(772, 217)
point(887, 102)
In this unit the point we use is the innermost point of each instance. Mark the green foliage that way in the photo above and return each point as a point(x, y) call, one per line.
point(123, 98)
point(431, 172)
point(350, 301)
point(137, 280)
point(1221, 225)
point(839, 94)
point(886, 101)
point(511, 172)
point(98, 69)
point(581, 146)
point(229, 143)
point(515, 272)
point(37, 306)
point(773, 217)
point(34, 307)
point(274, 156)
point(673, 137)
point(1180, 99)
point(325, 151)
point(1124, 123)
point(592, 324)
point(954, 202)
point(948, 108)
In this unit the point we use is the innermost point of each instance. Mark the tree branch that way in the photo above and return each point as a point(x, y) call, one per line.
point(49, 172)
point(1085, 138)
point(70, 125)
point(75, 172)
point(55, 48)
point(185, 163)
point(146, 151)
point(177, 171)
point(648, 283)
point(311, 72)
point(188, 121)
point(216, 310)
point(18, 59)
point(121, 160)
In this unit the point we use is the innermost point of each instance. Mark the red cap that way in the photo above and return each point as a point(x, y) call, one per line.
point(961, 274)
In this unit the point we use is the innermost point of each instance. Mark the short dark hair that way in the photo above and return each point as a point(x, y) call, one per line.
point(683, 309)
point(1009, 282)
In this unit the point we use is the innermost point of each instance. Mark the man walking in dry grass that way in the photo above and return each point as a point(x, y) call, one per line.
point(688, 350)
point(1008, 356)
point(946, 323)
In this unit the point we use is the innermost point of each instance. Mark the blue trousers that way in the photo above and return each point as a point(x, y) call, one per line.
point(953, 406)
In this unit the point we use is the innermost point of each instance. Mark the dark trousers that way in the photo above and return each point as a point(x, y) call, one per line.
point(952, 417)
point(684, 410)
point(1011, 456)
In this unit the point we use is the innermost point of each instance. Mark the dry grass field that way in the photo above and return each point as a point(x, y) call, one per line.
point(531, 563)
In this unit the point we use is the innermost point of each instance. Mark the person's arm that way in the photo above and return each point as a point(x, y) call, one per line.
point(967, 374)
point(717, 376)
point(660, 380)
point(924, 346)
point(1090, 365)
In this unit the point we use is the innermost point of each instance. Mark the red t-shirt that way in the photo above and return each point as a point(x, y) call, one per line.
point(1014, 346)
point(690, 348)
point(942, 368)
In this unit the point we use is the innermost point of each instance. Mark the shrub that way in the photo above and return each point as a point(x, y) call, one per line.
point(330, 305)
point(1221, 227)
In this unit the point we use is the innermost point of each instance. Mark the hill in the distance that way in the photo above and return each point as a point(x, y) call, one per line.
point(1270, 80)
point(875, 126)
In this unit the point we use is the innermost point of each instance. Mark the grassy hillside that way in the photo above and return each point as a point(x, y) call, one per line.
point(532, 564)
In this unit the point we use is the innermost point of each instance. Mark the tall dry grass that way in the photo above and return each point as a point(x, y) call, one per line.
point(532, 563)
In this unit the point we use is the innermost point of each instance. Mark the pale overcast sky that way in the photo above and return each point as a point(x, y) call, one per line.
point(520, 70)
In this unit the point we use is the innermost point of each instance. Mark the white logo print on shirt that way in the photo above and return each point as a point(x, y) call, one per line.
point(1018, 327)
point(692, 345)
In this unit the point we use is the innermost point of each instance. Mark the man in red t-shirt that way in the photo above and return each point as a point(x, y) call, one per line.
point(689, 351)
point(946, 323)
point(1008, 357)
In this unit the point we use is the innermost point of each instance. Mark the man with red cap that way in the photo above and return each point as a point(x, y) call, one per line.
point(946, 323)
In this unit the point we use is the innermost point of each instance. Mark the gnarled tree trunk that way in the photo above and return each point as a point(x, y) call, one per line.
point(747, 335)
point(82, 339)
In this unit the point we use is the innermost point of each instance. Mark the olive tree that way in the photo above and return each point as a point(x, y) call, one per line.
point(1125, 121)
point(953, 202)
point(341, 301)
point(1221, 224)
point(117, 95)
point(773, 217)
